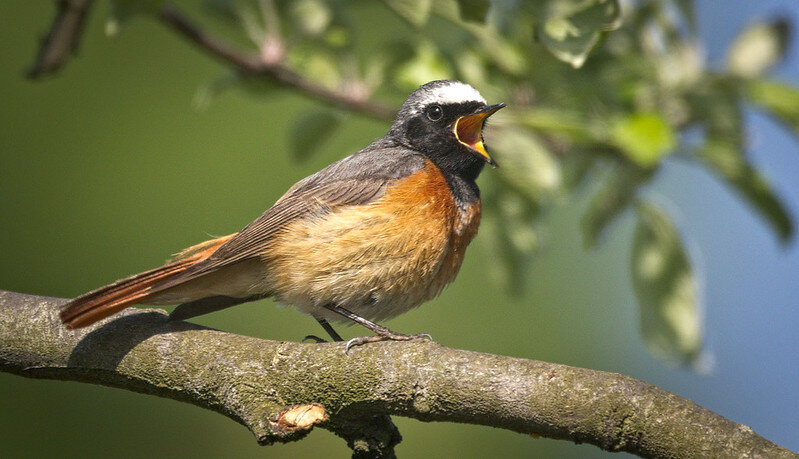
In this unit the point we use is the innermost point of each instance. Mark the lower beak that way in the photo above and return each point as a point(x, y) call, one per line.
point(469, 132)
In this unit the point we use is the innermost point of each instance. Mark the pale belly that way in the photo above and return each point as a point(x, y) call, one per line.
point(371, 261)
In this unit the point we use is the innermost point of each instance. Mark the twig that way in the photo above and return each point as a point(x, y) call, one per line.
point(281, 390)
point(63, 38)
point(254, 64)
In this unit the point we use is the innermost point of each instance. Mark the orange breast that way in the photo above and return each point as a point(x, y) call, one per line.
point(377, 260)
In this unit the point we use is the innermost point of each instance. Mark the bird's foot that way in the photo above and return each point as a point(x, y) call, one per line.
point(314, 338)
point(386, 335)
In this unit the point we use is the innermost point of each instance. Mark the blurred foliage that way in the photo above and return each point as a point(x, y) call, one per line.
point(665, 289)
point(607, 89)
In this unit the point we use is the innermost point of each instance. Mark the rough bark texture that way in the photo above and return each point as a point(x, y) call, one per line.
point(280, 390)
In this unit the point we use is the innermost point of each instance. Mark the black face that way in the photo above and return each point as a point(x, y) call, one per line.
point(430, 131)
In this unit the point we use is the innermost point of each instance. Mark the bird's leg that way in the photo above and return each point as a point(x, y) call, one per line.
point(328, 328)
point(383, 333)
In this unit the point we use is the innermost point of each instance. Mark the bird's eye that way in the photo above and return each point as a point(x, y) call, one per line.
point(434, 112)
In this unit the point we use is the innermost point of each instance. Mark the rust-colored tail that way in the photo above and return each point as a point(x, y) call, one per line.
point(101, 303)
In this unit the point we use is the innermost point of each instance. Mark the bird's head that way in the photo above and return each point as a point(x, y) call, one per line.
point(444, 120)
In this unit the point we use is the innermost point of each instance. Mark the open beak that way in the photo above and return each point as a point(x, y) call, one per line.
point(469, 131)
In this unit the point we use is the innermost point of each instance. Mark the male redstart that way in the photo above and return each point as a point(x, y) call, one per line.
point(364, 239)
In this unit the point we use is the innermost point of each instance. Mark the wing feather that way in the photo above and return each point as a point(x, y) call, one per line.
point(356, 180)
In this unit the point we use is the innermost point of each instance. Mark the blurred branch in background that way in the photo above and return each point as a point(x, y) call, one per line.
point(271, 64)
point(596, 89)
point(62, 40)
point(281, 390)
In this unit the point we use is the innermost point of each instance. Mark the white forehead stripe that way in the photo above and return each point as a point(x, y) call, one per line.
point(453, 93)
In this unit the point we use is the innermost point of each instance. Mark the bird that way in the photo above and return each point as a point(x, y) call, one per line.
point(364, 239)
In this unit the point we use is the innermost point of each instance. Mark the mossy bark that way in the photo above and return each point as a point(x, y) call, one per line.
point(280, 390)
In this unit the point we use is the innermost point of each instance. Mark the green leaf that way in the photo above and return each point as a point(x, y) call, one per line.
point(310, 130)
point(506, 54)
point(666, 290)
point(508, 233)
point(526, 164)
point(726, 158)
point(723, 150)
point(780, 99)
point(571, 28)
point(474, 10)
point(311, 16)
point(571, 124)
point(317, 64)
point(576, 167)
point(414, 11)
point(758, 48)
point(644, 138)
point(610, 201)
point(426, 65)
point(687, 9)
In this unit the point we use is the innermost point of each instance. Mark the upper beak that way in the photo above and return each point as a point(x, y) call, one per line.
point(469, 131)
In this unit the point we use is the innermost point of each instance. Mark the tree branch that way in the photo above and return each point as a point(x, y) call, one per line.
point(280, 390)
point(67, 28)
point(62, 40)
point(256, 65)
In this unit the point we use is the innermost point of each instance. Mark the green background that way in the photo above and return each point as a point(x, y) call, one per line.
point(107, 169)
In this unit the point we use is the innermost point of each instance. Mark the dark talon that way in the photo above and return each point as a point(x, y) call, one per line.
point(391, 336)
point(314, 338)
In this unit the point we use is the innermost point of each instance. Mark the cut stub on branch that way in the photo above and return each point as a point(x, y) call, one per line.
point(300, 417)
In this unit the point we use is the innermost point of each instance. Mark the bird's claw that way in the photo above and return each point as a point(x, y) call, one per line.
point(361, 340)
point(314, 338)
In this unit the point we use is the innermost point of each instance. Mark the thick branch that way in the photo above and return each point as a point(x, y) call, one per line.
point(280, 390)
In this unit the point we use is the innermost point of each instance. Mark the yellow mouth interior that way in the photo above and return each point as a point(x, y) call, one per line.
point(469, 131)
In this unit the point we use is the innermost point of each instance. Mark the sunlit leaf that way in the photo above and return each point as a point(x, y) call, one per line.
point(317, 64)
point(779, 99)
point(506, 54)
point(572, 124)
point(572, 28)
point(644, 138)
point(664, 284)
point(471, 66)
point(311, 16)
point(414, 11)
point(526, 164)
point(727, 159)
point(614, 196)
point(337, 37)
point(310, 130)
point(426, 65)
point(758, 48)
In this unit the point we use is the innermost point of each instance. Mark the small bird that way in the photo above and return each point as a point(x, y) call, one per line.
point(364, 239)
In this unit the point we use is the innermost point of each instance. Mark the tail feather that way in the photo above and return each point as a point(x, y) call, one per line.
point(105, 301)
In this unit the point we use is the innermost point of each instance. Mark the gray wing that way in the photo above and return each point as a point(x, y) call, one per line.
point(355, 180)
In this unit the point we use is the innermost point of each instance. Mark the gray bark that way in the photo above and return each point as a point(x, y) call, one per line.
point(281, 390)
